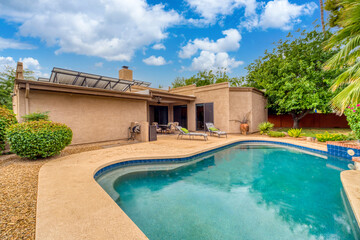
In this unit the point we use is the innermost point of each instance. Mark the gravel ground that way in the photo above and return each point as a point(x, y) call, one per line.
point(18, 190)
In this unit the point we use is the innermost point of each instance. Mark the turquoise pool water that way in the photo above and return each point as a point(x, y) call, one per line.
point(242, 192)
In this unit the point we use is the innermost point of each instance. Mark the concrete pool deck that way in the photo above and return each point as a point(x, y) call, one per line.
point(72, 205)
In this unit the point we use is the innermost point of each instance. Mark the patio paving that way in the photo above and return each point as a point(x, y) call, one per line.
point(71, 205)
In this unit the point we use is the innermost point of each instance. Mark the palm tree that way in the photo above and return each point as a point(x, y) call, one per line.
point(322, 15)
point(347, 40)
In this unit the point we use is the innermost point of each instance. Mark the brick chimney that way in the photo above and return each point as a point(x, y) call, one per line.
point(125, 73)
point(19, 71)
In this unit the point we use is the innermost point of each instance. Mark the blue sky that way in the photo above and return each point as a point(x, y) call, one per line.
point(159, 40)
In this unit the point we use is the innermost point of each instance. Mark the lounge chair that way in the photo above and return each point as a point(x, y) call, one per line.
point(214, 131)
point(185, 132)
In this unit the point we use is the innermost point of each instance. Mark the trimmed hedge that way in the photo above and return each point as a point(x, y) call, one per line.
point(38, 139)
point(7, 118)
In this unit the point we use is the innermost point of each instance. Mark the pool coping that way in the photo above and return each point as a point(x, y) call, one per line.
point(72, 205)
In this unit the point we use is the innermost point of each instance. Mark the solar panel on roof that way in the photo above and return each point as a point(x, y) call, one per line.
point(69, 77)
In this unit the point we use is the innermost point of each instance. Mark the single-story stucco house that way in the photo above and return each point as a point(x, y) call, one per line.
point(99, 108)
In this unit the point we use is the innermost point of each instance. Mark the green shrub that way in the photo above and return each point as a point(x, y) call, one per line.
point(265, 127)
point(36, 116)
point(275, 134)
point(38, 139)
point(330, 137)
point(352, 114)
point(295, 132)
point(351, 136)
point(7, 118)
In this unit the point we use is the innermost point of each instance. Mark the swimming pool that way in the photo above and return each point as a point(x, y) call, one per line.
point(246, 191)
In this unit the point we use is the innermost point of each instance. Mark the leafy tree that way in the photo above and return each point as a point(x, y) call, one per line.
point(293, 76)
point(347, 39)
point(322, 15)
point(7, 78)
point(335, 9)
point(204, 78)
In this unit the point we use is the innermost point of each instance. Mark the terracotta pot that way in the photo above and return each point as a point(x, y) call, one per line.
point(244, 128)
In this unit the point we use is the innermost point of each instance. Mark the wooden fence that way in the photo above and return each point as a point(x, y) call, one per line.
point(315, 120)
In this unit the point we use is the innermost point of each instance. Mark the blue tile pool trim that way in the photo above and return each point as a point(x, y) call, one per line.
point(187, 159)
point(340, 151)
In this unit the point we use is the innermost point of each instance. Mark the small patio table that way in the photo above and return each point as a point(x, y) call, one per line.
point(163, 127)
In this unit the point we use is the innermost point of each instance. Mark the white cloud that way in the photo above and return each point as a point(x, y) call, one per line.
point(279, 14)
point(231, 42)
point(159, 46)
point(214, 61)
point(28, 63)
point(155, 61)
point(111, 29)
point(210, 10)
point(99, 64)
point(6, 62)
point(213, 54)
point(6, 43)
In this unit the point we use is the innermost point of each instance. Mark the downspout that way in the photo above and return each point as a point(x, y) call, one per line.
point(27, 91)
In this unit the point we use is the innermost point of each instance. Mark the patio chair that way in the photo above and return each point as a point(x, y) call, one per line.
point(171, 127)
point(185, 132)
point(158, 130)
point(214, 131)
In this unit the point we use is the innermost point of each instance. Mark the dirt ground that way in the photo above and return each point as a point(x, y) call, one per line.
point(18, 190)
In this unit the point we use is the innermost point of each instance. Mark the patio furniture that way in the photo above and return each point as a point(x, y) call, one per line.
point(163, 127)
point(133, 130)
point(185, 132)
point(171, 127)
point(158, 129)
point(213, 130)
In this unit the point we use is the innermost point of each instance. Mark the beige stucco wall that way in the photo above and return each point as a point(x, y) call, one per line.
point(259, 111)
point(229, 104)
point(220, 98)
point(240, 105)
point(91, 118)
point(243, 102)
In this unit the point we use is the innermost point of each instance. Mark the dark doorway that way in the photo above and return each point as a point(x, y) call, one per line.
point(180, 115)
point(158, 114)
point(204, 114)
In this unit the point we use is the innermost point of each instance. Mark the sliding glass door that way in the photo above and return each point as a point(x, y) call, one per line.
point(204, 114)
point(180, 115)
point(158, 114)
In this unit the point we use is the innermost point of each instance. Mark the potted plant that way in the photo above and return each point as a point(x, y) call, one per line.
point(244, 123)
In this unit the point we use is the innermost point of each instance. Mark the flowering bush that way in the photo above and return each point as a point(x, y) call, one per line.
point(352, 114)
point(330, 137)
